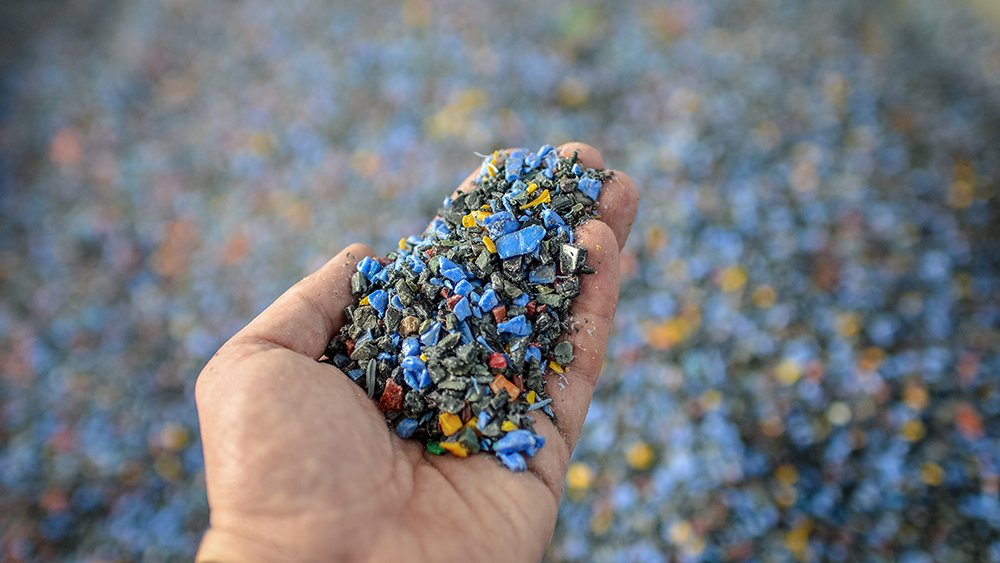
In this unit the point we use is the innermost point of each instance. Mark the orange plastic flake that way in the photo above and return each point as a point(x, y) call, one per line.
point(450, 423)
point(544, 198)
point(490, 245)
point(500, 382)
point(455, 449)
point(555, 367)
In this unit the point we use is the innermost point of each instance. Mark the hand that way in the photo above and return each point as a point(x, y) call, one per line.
point(300, 464)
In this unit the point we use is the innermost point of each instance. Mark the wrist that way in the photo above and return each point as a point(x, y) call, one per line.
point(221, 546)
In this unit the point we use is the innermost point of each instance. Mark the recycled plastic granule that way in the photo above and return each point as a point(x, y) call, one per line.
point(454, 334)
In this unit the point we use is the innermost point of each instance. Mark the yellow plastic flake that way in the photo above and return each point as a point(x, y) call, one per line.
point(402, 243)
point(532, 396)
point(797, 539)
point(788, 372)
point(364, 301)
point(493, 164)
point(913, 431)
point(423, 357)
point(786, 474)
point(455, 449)
point(579, 476)
point(531, 187)
point(450, 423)
point(732, 279)
point(544, 198)
point(490, 245)
point(473, 218)
point(507, 426)
point(555, 367)
point(931, 474)
point(640, 456)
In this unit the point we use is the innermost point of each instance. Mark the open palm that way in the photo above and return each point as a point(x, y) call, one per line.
point(301, 465)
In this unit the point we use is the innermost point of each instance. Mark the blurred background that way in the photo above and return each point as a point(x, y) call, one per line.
point(806, 354)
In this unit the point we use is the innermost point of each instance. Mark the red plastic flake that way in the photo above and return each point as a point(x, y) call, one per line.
point(384, 261)
point(430, 252)
point(518, 381)
point(453, 300)
point(497, 361)
point(350, 347)
point(392, 397)
point(499, 312)
point(445, 292)
point(530, 308)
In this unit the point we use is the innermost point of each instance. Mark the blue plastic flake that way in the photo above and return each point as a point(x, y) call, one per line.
point(451, 270)
point(415, 263)
point(591, 187)
point(431, 335)
point(485, 444)
point(577, 169)
point(489, 299)
point(415, 372)
point(365, 337)
point(382, 275)
point(474, 297)
point(440, 228)
point(379, 299)
point(463, 288)
point(539, 405)
point(524, 241)
point(386, 357)
point(531, 161)
point(546, 273)
point(507, 205)
point(513, 461)
point(410, 347)
point(463, 328)
point(545, 149)
point(518, 326)
point(396, 303)
point(513, 165)
point(483, 341)
point(552, 219)
point(356, 374)
point(369, 267)
point(446, 203)
point(413, 363)
point(533, 353)
point(483, 420)
point(462, 309)
point(500, 223)
point(517, 187)
point(522, 441)
point(522, 300)
point(406, 427)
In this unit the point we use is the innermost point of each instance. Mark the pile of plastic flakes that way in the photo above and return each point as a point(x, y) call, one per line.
point(456, 331)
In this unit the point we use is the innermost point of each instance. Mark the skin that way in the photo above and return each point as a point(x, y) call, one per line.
point(300, 465)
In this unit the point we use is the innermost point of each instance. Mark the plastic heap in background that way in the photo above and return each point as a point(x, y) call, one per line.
point(454, 333)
